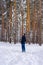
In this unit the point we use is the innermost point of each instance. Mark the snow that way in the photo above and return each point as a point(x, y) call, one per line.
point(11, 54)
point(5, 13)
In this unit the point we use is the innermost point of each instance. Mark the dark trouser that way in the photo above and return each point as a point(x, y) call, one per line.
point(23, 47)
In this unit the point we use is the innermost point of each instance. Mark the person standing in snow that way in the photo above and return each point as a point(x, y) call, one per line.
point(23, 40)
point(10, 40)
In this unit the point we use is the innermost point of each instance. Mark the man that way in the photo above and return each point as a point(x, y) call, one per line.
point(23, 40)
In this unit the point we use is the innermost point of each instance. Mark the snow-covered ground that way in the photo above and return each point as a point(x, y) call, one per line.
point(11, 54)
